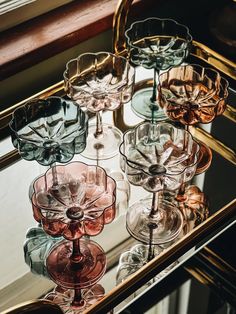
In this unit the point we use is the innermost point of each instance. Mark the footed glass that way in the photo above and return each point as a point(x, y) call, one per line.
point(79, 203)
point(157, 157)
point(193, 94)
point(157, 44)
point(100, 81)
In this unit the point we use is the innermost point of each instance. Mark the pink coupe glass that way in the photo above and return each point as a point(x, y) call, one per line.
point(79, 203)
point(100, 81)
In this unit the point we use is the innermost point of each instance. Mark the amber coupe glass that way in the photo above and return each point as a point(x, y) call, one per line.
point(193, 94)
point(157, 157)
point(81, 202)
point(157, 44)
point(100, 81)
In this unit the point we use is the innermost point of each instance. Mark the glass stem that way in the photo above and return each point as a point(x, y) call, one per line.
point(154, 90)
point(77, 300)
point(153, 99)
point(150, 246)
point(76, 256)
point(99, 129)
point(155, 203)
point(54, 174)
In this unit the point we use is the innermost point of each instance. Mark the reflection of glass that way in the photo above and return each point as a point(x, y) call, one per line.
point(36, 248)
point(133, 259)
point(155, 44)
point(49, 130)
point(100, 81)
point(194, 207)
point(158, 157)
point(80, 203)
point(122, 192)
point(191, 94)
point(64, 298)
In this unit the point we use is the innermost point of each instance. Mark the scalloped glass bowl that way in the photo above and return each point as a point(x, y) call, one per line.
point(80, 204)
point(100, 81)
point(158, 155)
point(156, 44)
point(49, 130)
point(64, 297)
point(192, 94)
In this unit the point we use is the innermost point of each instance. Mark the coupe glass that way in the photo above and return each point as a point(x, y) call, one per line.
point(193, 94)
point(64, 298)
point(158, 157)
point(81, 202)
point(49, 130)
point(100, 81)
point(155, 44)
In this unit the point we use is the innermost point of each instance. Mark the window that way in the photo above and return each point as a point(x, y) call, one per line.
point(14, 12)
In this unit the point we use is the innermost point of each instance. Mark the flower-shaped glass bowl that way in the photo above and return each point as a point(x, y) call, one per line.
point(49, 130)
point(100, 81)
point(64, 298)
point(192, 94)
point(155, 44)
point(81, 202)
point(157, 157)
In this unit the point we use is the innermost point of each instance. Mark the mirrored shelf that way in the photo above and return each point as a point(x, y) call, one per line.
point(208, 208)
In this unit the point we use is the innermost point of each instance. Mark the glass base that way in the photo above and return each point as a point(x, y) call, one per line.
point(76, 276)
point(104, 147)
point(205, 158)
point(144, 108)
point(164, 227)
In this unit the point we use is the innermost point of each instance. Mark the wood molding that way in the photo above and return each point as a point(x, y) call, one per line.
point(47, 35)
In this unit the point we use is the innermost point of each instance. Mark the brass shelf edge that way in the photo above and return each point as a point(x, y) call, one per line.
point(214, 144)
point(9, 158)
point(5, 115)
point(160, 262)
point(230, 113)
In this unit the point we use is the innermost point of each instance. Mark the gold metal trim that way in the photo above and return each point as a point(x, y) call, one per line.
point(199, 50)
point(207, 266)
point(44, 306)
point(5, 115)
point(214, 144)
point(230, 113)
point(167, 257)
point(9, 159)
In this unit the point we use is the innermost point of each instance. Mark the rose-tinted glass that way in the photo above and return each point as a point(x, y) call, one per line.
point(80, 203)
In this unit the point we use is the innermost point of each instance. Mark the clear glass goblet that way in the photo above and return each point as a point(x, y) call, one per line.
point(157, 44)
point(157, 157)
point(100, 81)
